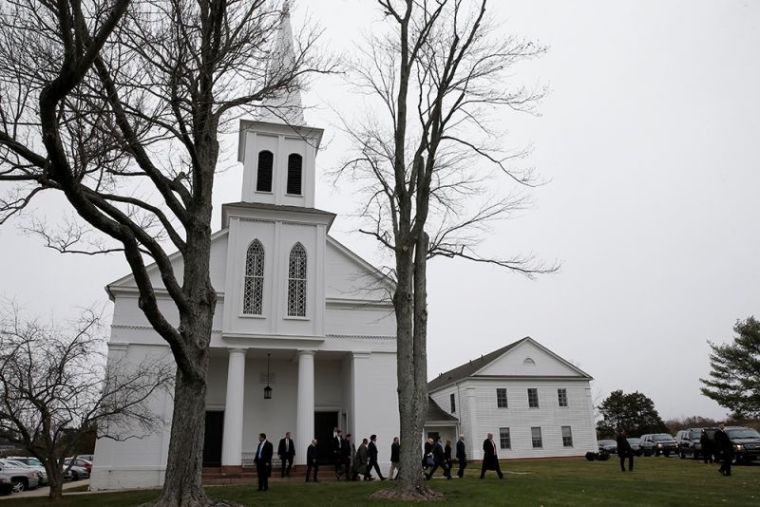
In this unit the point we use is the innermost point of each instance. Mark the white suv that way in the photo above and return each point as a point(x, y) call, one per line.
point(21, 477)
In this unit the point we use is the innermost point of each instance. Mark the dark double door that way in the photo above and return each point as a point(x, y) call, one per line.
point(324, 424)
point(212, 440)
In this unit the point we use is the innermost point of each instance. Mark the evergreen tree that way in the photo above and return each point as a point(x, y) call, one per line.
point(734, 380)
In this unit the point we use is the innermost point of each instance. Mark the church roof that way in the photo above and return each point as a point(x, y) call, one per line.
point(471, 368)
point(436, 413)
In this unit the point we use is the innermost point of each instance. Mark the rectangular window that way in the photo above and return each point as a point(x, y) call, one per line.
point(535, 435)
point(505, 441)
point(562, 396)
point(453, 403)
point(533, 397)
point(567, 436)
point(501, 397)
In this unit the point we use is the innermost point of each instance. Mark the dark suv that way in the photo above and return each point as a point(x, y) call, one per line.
point(745, 441)
point(688, 441)
point(658, 443)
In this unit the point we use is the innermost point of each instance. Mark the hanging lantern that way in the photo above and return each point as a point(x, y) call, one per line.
point(268, 388)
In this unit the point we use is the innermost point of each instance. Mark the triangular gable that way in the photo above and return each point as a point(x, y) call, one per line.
point(502, 363)
point(528, 358)
point(218, 258)
point(348, 276)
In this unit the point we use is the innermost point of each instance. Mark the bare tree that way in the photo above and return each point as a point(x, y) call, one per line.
point(118, 105)
point(55, 388)
point(428, 157)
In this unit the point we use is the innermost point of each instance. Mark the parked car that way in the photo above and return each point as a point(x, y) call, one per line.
point(31, 463)
point(80, 462)
point(609, 446)
point(21, 477)
point(746, 443)
point(689, 444)
point(635, 443)
point(74, 472)
point(88, 457)
point(658, 443)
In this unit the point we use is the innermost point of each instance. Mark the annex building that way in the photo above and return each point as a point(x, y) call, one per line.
point(535, 403)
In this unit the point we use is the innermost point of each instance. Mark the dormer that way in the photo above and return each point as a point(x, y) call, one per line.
point(278, 163)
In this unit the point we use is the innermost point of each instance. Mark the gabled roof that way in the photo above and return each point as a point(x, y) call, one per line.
point(437, 414)
point(471, 368)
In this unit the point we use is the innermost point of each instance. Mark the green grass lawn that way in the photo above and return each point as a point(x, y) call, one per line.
point(655, 481)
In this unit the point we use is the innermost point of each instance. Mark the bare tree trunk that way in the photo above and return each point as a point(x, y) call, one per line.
point(55, 482)
point(410, 475)
point(410, 302)
point(184, 465)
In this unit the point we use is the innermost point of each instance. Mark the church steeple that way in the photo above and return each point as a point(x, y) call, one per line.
point(286, 105)
point(278, 150)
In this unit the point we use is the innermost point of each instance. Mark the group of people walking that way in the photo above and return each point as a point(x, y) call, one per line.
point(358, 463)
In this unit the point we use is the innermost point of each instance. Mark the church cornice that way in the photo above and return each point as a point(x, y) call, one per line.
point(264, 212)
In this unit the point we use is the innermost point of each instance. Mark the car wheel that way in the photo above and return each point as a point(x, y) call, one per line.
point(74, 476)
point(19, 485)
point(682, 455)
point(667, 454)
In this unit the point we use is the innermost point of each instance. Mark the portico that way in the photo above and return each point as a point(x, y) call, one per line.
point(312, 392)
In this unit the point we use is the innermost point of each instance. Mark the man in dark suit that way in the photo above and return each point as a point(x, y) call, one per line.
point(337, 451)
point(286, 450)
point(723, 445)
point(263, 460)
point(395, 458)
point(624, 451)
point(372, 452)
point(312, 462)
point(347, 455)
point(490, 458)
point(461, 456)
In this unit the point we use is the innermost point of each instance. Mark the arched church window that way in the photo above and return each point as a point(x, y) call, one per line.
point(297, 281)
point(295, 161)
point(253, 290)
point(264, 175)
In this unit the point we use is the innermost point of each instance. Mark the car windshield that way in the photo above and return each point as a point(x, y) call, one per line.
point(662, 438)
point(695, 435)
point(743, 433)
point(607, 442)
point(634, 440)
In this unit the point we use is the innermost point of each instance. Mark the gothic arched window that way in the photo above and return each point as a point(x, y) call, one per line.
point(264, 175)
point(295, 161)
point(253, 290)
point(297, 281)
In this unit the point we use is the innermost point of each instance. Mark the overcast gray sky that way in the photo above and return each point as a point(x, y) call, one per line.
point(650, 141)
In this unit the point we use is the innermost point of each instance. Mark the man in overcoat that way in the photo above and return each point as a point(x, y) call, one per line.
point(461, 456)
point(490, 457)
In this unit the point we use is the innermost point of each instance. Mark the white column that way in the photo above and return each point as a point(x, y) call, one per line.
point(305, 407)
point(232, 443)
point(475, 444)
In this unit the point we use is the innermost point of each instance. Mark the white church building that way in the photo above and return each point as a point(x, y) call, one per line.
point(298, 313)
point(535, 403)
